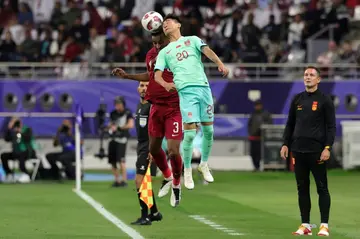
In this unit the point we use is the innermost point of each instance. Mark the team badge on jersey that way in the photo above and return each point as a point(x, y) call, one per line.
point(143, 122)
point(187, 43)
point(314, 105)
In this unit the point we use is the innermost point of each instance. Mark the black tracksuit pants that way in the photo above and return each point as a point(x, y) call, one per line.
point(304, 164)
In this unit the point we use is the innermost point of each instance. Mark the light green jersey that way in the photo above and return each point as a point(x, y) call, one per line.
point(183, 59)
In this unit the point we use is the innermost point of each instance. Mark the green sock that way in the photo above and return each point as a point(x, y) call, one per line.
point(189, 136)
point(207, 142)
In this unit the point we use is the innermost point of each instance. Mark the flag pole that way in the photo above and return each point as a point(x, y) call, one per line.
point(78, 147)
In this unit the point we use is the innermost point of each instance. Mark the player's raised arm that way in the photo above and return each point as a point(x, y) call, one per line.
point(214, 58)
point(206, 50)
point(137, 77)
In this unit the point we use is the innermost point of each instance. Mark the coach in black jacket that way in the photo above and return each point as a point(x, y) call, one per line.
point(310, 130)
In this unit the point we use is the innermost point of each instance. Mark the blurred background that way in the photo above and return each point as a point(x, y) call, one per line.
point(56, 54)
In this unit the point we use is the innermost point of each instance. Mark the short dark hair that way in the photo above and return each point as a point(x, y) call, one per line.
point(314, 68)
point(173, 17)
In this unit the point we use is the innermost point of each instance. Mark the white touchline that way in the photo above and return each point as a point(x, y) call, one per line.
point(109, 216)
point(216, 226)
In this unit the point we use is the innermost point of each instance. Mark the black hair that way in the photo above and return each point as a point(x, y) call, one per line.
point(314, 68)
point(158, 32)
point(173, 17)
point(120, 100)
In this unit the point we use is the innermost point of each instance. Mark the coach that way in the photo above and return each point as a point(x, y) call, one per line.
point(310, 132)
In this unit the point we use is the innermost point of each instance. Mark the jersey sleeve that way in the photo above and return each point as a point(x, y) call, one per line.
point(129, 115)
point(199, 44)
point(161, 61)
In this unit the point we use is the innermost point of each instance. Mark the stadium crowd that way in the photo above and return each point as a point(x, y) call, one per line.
point(261, 31)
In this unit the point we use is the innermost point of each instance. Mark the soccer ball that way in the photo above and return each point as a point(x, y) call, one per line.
point(152, 21)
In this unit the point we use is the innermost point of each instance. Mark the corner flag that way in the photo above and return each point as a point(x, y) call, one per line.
point(146, 193)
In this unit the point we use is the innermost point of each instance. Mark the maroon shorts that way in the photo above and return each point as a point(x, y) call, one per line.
point(165, 121)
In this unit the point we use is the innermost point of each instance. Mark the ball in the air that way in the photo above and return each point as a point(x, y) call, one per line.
point(152, 21)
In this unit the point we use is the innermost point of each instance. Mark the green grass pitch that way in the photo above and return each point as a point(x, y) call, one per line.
point(257, 205)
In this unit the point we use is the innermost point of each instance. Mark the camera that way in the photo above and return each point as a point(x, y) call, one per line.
point(64, 129)
point(17, 124)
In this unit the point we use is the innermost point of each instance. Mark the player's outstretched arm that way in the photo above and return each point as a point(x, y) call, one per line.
point(160, 80)
point(214, 58)
point(137, 77)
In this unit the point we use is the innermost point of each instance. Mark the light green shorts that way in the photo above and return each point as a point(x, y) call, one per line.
point(196, 104)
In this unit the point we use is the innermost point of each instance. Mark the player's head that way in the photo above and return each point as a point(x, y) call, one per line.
point(119, 104)
point(143, 85)
point(159, 39)
point(171, 24)
point(311, 77)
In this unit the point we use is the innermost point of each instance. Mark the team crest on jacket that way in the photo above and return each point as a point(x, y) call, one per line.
point(314, 105)
point(187, 43)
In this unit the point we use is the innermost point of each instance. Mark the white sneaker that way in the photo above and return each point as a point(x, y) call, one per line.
point(165, 188)
point(205, 171)
point(175, 196)
point(324, 231)
point(188, 179)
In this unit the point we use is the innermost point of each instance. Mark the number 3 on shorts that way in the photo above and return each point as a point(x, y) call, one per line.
point(176, 127)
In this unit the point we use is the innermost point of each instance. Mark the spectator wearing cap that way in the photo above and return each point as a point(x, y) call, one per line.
point(121, 121)
point(257, 118)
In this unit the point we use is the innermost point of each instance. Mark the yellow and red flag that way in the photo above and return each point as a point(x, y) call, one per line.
point(146, 193)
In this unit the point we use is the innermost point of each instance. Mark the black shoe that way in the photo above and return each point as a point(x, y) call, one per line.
point(115, 184)
point(155, 217)
point(123, 184)
point(142, 221)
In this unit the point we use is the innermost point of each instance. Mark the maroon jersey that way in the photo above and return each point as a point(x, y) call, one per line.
point(156, 94)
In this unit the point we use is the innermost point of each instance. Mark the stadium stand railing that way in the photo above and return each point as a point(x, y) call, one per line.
point(238, 71)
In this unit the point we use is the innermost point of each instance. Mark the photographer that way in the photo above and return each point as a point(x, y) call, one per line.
point(23, 147)
point(65, 139)
point(121, 120)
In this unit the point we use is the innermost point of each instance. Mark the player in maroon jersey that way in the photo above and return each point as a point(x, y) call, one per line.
point(164, 121)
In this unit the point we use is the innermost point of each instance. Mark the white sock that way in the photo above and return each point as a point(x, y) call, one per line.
point(307, 225)
point(176, 186)
point(325, 225)
point(169, 178)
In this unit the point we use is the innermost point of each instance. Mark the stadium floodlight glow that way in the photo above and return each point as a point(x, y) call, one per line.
point(351, 102)
point(335, 100)
point(66, 101)
point(29, 101)
point(47, 101)
point(11, 101)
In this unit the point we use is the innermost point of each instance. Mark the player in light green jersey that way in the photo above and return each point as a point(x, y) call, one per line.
point(182, 56)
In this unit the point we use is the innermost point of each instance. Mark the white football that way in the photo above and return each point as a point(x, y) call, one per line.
point(152, 21)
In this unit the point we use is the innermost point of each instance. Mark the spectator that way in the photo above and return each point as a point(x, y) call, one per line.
point(17, 31)
point(25, 14)
point(56, 15)
point(7, 48)
point(97, 44)
point(295, 31)
point(72, 14)
point(95, 20)
point(329, 57)
point(251, 33)
point(29, 49)
point(72, 50)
